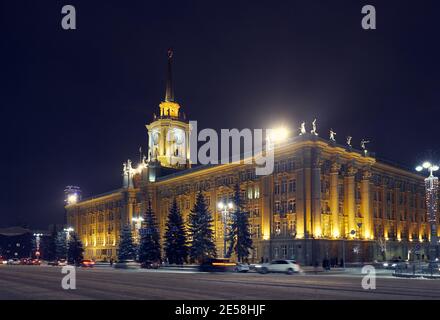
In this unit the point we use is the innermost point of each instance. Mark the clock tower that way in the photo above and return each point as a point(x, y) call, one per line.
point(168, 134)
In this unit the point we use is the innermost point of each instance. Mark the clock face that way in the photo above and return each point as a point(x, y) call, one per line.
point(178, 136)
point(155, 137)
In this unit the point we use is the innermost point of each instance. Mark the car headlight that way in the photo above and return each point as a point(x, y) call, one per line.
point(385, 264)
point(393, 265)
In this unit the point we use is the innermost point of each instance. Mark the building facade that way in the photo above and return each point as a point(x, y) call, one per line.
point(323, 200)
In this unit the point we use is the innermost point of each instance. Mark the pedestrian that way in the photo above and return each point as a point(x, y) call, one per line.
point(315, 266)
point(111, 262)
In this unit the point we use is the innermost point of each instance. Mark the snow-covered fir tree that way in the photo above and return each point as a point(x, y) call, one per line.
point(61, 245)
point(127, 249)
point(176, 249)
point(75, 250)
point(149, 247)
point(202, 244)
point(239, 237)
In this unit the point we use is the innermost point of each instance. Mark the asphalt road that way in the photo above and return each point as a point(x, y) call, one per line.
point(43, 282)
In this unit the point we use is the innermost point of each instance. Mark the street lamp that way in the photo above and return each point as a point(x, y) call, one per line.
point(137, 224)
point(37, 243)
point(431, 190)
point(352, 233)
point(225, 208)
point(68, 230)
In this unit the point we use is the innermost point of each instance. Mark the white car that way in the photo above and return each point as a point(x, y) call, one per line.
point(285, 266)
point(241, 267)
point(14, 261)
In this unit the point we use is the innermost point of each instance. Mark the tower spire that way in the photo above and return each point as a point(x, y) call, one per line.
point(169, 92)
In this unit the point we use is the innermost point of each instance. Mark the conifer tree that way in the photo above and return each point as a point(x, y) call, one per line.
point(61, 245)
point(49, 246)
point(200, 231)
point(127, 250)
point(176, 249)
point(240, 241)
point(75, 251)
point(149, 247)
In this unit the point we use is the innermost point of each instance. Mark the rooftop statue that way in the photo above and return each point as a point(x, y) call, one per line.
point(332, 135)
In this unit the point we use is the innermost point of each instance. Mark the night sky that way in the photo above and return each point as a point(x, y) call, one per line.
point(74, 104)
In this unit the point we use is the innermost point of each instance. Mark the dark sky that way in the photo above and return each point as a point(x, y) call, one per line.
point(74, 104)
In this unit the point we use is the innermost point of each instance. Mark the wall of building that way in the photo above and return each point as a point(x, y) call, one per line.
point(319, 194)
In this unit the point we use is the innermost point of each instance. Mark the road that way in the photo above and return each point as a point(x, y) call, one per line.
point(43, 282)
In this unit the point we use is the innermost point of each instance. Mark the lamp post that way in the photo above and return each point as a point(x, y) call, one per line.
point(137, 225)
point(224, 209)
point(431, 189)
point(37, 244)
point(352, 232)
point(68, 231)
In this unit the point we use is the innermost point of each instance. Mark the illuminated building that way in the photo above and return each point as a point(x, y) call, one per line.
point(320, 194)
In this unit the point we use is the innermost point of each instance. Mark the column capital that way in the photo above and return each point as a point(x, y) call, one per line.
point(366, 174)
point(335, 167)
point(351, 170)
point(317, 159)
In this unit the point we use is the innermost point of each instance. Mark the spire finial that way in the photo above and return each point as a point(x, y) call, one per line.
point(169, 92)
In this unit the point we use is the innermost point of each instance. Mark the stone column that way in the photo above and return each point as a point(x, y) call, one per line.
point(129, 208)
point(350, 198)
point(266, 209)
point(300, 200)
point(334, 198)
point(307, 191)
point(316, 194)
point(366, 207)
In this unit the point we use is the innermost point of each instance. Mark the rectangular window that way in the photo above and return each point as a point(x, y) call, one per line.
point(256, 192)
point(276, 252)
point(250, 193)
point(284, 251)
point(277, 227)
point(292, 186)
point(284, 187)
point(257, 231)
point(277, 188)
point(277, 207)
point(292, 206)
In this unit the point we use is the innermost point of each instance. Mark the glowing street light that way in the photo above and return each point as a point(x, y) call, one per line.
point(427, 166)
point(225, 208)
point(137, 224)
point(137, 219)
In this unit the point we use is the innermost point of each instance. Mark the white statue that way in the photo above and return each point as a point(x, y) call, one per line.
point(314, 128)
point(332, 135)
point(349, 140)
point(363, 143)
point(302, 129)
